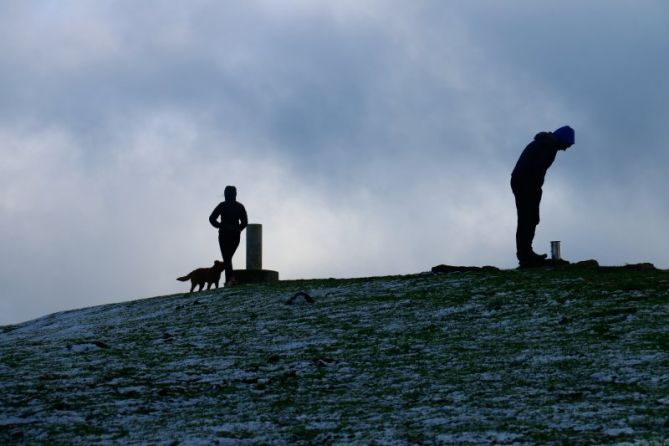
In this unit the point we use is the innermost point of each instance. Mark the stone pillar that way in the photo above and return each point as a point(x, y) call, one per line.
point(254, 272)
point(254, 246)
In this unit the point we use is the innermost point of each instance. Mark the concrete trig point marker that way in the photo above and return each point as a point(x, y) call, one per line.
point(555, 250)
point(254, 246)
point(254, 272)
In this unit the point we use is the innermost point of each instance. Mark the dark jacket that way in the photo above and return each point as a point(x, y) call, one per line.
point(233, 216)
point(535, 160)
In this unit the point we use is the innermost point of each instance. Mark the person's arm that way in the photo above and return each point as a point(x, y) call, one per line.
point(244, 220)
point(213, 218)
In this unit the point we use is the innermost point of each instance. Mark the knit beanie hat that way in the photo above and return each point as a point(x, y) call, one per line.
point(565, 134)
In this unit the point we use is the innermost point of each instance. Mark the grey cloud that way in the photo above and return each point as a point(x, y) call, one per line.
point(369, 137)
point(604, 60)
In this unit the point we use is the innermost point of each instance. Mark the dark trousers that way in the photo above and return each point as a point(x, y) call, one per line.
point(228, 240)
point(528, 198)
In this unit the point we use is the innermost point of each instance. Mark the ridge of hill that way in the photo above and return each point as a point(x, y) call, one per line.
point(517, 357)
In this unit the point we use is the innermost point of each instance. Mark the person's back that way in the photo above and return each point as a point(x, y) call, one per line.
point(535, 160)
point(233, 220)
point(232, 215)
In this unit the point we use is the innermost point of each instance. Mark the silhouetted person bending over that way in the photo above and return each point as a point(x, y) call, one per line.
point(526, 182)
point(232, 223)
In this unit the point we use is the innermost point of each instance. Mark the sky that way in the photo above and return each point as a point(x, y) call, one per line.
point(368, 137)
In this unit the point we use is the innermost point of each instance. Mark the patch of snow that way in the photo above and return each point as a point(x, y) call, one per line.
point(78, 348)
point(478, 437)
point(249, 426)
point(395, 326)
point(448, 311)
point(616, 432)
point(10, 420)
point(323, 425)
point(544, 359)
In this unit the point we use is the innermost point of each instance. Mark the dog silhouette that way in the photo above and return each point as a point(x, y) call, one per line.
point(201, 276)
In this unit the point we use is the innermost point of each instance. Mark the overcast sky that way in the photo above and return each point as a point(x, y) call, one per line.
point(368, 137)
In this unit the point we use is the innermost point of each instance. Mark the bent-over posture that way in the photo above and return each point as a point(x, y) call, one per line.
point(232, 222)
point(526, 182)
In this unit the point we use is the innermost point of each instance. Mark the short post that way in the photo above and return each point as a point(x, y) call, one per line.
point(254, 272)
point(254, 246)
point(555, 250)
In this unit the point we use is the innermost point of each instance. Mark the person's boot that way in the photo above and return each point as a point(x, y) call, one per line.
point(531, 260)
point(536, 256)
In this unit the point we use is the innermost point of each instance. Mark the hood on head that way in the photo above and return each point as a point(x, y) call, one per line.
point(230, 193)
point(565, 135)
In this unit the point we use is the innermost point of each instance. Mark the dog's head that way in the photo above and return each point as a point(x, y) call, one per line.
point(218, 265)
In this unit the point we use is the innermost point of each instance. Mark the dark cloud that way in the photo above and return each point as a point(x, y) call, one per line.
point(603, 61)
point(368, 137)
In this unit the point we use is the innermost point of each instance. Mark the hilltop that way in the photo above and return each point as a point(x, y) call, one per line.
point(516, 357)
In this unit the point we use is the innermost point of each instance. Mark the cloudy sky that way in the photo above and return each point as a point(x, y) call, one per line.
point(369, 137)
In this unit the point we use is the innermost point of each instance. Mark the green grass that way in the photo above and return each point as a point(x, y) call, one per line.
point(529, 357)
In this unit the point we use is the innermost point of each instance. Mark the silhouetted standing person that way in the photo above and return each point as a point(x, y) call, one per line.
point(526, 182)
point(232, 222)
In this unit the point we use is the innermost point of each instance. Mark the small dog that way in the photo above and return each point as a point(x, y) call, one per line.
point(201, 276)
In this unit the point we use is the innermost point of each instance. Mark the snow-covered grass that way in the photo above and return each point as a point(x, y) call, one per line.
point(508, 357)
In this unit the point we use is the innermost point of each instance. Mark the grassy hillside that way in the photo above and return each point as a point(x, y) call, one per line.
point(518, 357)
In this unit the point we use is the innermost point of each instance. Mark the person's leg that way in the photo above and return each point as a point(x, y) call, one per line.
point(229, 241)
point(527, 207)
point(533, 209)
point(227, 258)
point(524, 232)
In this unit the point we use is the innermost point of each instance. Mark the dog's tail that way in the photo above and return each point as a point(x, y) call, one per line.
point(184, 278)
